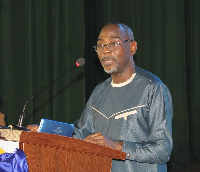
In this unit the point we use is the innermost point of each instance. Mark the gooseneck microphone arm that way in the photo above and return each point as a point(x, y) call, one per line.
point(79, 62)
point(37, 94)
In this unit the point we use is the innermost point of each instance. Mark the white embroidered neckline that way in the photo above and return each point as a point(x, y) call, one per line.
point(124, 83)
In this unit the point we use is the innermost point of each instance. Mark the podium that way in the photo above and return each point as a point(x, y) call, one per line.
point(55, 153)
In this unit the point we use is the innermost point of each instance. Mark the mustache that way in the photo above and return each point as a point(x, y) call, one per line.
point(108, 58)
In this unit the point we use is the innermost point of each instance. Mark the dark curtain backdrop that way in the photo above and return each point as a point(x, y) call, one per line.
point(40, 39)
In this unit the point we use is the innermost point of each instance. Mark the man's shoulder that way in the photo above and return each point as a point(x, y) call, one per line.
point(104, 83)
point(146, 75)
point(150, 81)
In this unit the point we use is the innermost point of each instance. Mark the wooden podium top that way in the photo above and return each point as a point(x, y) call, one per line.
point(68, 143)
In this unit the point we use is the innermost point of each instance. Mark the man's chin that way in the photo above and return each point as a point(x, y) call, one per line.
point(110, 71)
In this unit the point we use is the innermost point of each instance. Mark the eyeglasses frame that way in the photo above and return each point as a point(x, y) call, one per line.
point(114, 43)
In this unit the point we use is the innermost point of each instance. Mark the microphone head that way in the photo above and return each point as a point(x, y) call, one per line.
point(80, 62)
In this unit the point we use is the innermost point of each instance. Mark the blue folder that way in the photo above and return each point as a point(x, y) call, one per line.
point(55, 127)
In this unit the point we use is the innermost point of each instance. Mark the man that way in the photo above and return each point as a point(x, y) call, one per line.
point(132, 110)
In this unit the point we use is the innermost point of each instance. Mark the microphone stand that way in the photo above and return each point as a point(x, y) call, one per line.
point(21, 118)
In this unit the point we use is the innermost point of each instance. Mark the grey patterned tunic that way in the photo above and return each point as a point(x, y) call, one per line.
point(138, 112)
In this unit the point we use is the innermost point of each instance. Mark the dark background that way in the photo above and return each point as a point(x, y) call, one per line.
point(41, 39)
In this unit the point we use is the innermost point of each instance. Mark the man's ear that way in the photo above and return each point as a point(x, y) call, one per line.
point(133, 47)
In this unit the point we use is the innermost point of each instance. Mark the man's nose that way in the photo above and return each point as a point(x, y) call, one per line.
point(107, 49)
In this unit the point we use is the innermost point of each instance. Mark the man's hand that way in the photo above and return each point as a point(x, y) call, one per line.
point(33, 127)
point(99, 138)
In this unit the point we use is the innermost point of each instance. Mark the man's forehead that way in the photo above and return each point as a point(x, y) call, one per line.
point(108, 37)
point(111, 32)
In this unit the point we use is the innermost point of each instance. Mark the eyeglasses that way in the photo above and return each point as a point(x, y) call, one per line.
point(111, 46)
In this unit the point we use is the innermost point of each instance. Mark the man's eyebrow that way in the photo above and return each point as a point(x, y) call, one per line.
point(116, 37)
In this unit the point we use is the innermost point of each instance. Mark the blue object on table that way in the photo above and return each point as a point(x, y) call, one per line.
point(55, 127)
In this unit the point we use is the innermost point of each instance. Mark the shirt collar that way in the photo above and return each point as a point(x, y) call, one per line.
point(124, 83)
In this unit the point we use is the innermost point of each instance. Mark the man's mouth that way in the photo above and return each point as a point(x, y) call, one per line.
point(107, 61)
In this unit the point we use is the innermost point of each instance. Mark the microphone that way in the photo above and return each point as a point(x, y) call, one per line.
point(79, 62)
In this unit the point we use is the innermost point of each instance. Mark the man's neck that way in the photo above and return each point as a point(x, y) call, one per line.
point(122, 77)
